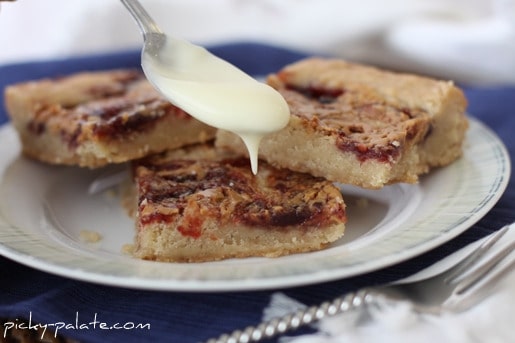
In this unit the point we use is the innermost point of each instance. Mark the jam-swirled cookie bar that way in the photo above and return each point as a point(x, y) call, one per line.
point(199, 204)
point(91, 119)
point(360, 125)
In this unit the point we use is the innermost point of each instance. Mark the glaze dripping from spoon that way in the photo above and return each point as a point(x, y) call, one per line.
point(207, 87)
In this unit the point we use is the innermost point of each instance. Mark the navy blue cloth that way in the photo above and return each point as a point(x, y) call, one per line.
point(192, 317)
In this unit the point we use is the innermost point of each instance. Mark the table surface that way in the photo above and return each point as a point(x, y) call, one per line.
point(26, 293)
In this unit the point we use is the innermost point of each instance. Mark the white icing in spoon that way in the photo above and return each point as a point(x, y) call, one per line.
point(209, 88)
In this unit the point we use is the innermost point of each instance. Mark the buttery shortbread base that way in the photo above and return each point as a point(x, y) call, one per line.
point(91, 119)
point(360, 125)
point(159, 243)
point(197, 205)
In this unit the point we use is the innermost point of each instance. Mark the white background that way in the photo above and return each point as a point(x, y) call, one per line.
point(465, 40)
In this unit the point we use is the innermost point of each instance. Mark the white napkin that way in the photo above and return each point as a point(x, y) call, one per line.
point(466, 40)
point(490, 321)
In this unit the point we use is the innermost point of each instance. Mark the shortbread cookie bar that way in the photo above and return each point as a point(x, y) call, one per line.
point(94, 118)
point(197, 204)
point(359, 125)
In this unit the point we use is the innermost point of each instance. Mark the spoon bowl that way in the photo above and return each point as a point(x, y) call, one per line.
point(208, 87)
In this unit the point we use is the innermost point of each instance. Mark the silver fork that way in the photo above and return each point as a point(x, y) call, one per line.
point(455, 289)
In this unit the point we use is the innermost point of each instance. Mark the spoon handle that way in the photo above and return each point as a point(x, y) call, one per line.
point(146, 24)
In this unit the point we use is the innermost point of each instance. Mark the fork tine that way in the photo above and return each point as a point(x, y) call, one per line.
point(479, 273)
point(475, 255)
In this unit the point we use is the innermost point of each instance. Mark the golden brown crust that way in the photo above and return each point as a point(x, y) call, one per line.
point(363, 126)
point(198, 204)
point(94, 118)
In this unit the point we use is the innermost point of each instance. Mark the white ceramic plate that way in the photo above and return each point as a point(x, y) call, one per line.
point(44, 209)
